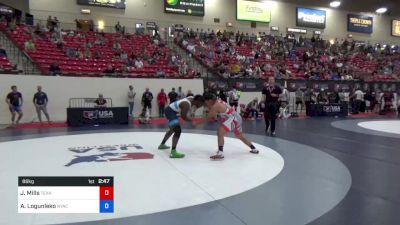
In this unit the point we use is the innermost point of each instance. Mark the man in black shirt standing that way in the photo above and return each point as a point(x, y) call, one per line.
point(147, 98)
point(40, 101)
point(270, 95)
point(173, 96)
point(14, 101)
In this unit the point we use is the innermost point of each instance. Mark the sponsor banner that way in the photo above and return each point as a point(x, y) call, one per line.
point(313, 18)
point(91, 116)
point(253, 10)
point(247, 85)
point(396, 28)
point(297, 30)
point(119, 4)
point(359, 23)
point(339, 110)
point(184, 7)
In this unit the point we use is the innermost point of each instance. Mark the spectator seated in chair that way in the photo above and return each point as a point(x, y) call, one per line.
point(109, 70)
point(54, 69)
point(252, 107)
point(100, 101)
point(245, 112)
point(29, 46)
point(145, 116)
point(3, 52)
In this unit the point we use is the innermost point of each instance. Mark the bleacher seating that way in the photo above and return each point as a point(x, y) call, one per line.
point(46, 52)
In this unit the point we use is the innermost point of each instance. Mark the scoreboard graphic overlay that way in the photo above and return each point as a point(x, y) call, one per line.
point(65, 194)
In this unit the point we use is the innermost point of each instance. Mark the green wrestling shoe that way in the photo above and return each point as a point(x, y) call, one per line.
point(176, 155)
point(163, 147)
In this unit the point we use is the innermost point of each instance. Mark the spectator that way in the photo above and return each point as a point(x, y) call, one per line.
point(71, 52)
point(110, 70)
point(88, 54)
point(100, 101)
point(78, 25)
point(334, 97)
point(322, 97)
point(40, 101)
point(147, 98)
point(97, 54)
point(173, 96)
point(60, 44)
point(14, 100)
point(189, 94)
point(181, 94)
point(49, 23)
point(162, 101)
point(370, 101)
point(160, 73)
point(253, 107)
point(3, 52)
point(234, 96)
point(55, 22)
point(299, 94)
point(118, 27)
point(358, 99)
point(184, 68)
point(117, 46)
point(124, 56)
point(29, 45)
point(131, 100)
point(54, 69)
point(222, 95)
point(284, 99)
point(79, 54)
point(139, 63)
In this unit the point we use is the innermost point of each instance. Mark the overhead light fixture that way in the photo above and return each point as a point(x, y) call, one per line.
point(335, 4)
point(381, 10)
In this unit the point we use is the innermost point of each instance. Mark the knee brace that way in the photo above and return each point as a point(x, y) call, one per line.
point(177, 131)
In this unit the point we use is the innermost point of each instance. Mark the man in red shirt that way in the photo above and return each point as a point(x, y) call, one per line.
point(162, 101)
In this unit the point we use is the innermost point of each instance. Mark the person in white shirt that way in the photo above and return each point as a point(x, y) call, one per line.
point(131, 100)
point(138, 64)
point(358, 99)
point(181, 94)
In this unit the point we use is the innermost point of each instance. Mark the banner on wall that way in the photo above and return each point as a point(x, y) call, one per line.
point(396, 28)
point(119, 4)
point(359, 23)
point(184, 7)
point(311, 18)
point(253, 10)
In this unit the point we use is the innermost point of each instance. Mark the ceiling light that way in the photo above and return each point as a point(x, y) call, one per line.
point(335, 4)
point(381, 10)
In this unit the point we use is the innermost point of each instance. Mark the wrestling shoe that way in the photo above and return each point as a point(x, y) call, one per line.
point(176, 155)
point(254, 151)
point(218, 156)
point(163, 147)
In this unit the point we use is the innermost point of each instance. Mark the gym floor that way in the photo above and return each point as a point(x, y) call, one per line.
point(315, 171)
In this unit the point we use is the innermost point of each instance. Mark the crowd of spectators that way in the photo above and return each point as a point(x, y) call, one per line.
point(128, 53)
point(238, 55)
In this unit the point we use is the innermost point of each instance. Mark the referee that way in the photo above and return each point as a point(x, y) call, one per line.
point(270, 95)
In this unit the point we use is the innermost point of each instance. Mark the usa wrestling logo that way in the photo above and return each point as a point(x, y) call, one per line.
point(107, 153)
point(90, 115)
point(98, 114)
